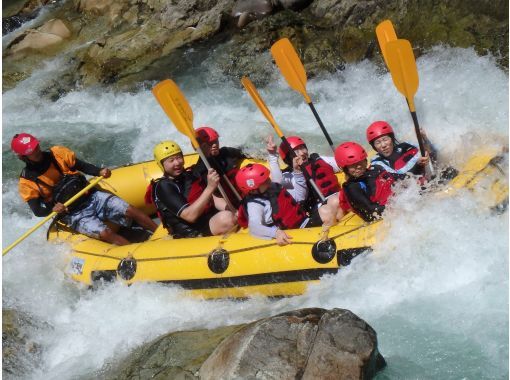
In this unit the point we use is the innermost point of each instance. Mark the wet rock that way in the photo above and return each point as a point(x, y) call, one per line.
point(16, 13)
point(42, 39)
point(245, 11)
point(305, 344)
point(122, 43)
point(20, 354)
point(174, 356)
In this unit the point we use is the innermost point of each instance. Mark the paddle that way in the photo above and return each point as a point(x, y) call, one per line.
point(250, 87)
point(68, 203)
point(385, 33)
point(294, 73)
point(402, 67)
point(177, 108)
point(405, 77)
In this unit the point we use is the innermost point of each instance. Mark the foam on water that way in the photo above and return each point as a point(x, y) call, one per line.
point(435, 288)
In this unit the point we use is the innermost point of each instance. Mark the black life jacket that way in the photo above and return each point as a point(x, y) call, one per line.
point(285, 211)
point(193, 188)
point(403, 160)
point(67, 187)
point(228, 162)
point(376, 183)
point(324, 176)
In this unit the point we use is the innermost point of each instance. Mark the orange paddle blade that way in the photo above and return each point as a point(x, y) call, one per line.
point(177, 108)
point(290, 66)
point(385, 33)
point(403, 69)
point(250, 87)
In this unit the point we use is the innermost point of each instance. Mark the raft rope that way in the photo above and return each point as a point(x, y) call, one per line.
point(493, 162)
point(230, 252)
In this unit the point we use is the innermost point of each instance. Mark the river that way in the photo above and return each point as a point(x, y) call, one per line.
point(435, 288)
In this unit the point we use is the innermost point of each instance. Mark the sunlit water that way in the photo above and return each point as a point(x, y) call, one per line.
point(435, 288)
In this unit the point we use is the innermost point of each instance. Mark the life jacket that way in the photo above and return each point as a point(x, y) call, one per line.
point(376, 183)
point(324, 176)
point(193, 188)
point(404, 159)
point(69, 184)
point(68, 187)
point(285, 211)
point(229, 164)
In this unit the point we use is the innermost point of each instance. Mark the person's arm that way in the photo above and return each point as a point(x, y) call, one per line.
point(274, 168)
point(194, 210)
point(39, 207)
point(86, 167)
point(90, 169)
point(359, 201)
point(255, 222)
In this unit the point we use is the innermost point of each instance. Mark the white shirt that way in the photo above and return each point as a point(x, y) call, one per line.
point(294, 181)
point(260, 220)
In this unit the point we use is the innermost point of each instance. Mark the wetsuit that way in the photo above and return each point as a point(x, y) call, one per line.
point(172, 195)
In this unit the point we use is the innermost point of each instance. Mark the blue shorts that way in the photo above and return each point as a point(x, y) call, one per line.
point(100, 207)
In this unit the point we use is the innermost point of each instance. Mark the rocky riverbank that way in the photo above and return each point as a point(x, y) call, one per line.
point(123, 43)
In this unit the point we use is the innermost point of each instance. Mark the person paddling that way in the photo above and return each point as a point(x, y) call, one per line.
point(184, 201)
point(267, 208)
point(366, 189)
point(52, 177)
point(397, 157)
point(321, 169)
point(224, 160)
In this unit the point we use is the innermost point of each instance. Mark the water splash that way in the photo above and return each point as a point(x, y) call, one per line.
point(435, 288)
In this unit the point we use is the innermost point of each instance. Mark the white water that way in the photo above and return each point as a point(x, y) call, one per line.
point(435, 288)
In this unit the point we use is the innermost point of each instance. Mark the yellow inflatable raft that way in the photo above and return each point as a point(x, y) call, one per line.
point(238, 265)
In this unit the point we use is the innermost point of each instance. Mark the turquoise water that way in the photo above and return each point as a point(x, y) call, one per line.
point(435, 288)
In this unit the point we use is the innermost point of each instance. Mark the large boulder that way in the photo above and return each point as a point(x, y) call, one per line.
point(176, 355)
point(304, 344)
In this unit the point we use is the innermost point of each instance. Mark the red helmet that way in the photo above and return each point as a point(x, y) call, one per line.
point(206, 134)
point(251, 177)
point(24, 144)
point(378, 129)
point(349, 153)
point(294, 142)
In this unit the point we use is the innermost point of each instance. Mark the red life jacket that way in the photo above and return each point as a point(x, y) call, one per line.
point(323, 175)
point(377, 185)
point(343, 202)
point(285, 211)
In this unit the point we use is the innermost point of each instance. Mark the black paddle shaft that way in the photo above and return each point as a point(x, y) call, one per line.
point(305, 173)
point(323, 128)
point(418, 133)
point(217, 167)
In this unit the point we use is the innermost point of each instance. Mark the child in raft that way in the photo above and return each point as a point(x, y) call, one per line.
point(321, 169)
point(268, 209)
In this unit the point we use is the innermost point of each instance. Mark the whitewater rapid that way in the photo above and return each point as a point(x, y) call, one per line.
point(435, 288)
